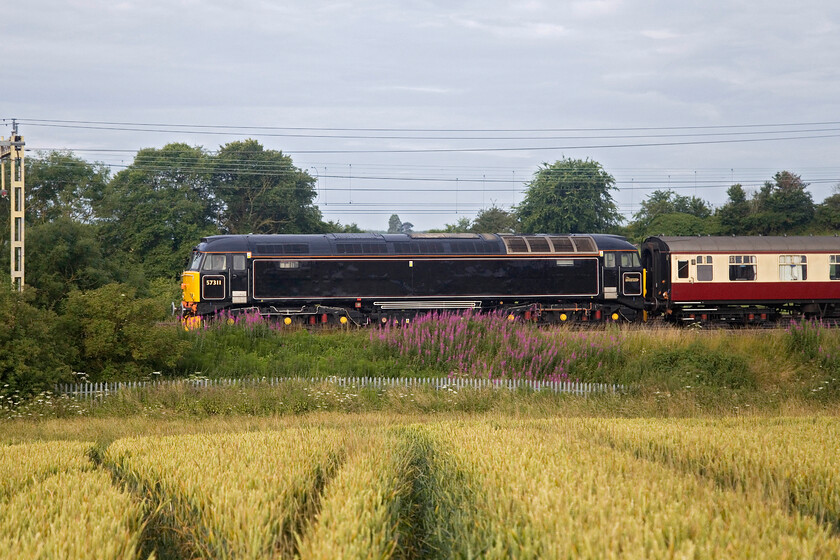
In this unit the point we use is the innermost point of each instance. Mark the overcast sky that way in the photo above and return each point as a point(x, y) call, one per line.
point(448, 79)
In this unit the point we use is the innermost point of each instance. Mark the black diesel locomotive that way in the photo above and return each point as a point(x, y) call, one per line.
point(363, 278)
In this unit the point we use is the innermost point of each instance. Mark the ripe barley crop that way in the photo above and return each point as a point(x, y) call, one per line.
point(28, 463)
point(240, 495)
point(791, 461)
point(369, 509)
point(72, 514)
point(550, 491)
point(54, 504)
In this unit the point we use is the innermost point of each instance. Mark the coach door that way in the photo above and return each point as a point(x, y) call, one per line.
point(239, 278)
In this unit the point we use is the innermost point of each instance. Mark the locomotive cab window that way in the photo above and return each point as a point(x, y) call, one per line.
point(742, 267)
point(239, 262)
point(834, 267)
point(215, 262)
point(793, 267)
point(195, 261)
point(609, 260)
point(630, 260)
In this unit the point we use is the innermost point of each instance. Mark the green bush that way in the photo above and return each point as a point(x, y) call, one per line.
point(31, 357)
point(113, 334)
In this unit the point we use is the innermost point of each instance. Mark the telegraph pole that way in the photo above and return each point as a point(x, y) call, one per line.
point(12, 150)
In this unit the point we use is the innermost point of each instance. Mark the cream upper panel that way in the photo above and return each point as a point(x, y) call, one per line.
point(768, 268)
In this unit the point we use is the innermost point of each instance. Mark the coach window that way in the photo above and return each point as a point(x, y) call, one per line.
point(793, 267)
point(742, 267)
point(682, 269)
point(215, 262)
point(834, 267)
point(705, 269)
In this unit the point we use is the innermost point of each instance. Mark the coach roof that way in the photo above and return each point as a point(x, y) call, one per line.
point(747, 244)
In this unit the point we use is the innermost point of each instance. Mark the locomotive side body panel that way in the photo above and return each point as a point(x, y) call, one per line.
point(423, 277)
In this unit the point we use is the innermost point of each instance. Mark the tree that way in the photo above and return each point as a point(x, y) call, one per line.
point(463, 225)
point(733, 214)
point(157, 209)
point(113, 331)
point(261, 191)
point(569, 196)
point(59, 184)
point(783, 205)
point(394, 224)
point(336, 227)
point(828, 213)
point(32, 356)
point(660, 203)
point(678, 223)
point(494, 220)
point(667, 213)
point(64, 255)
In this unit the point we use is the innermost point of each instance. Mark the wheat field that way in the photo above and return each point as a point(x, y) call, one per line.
point(343, 486)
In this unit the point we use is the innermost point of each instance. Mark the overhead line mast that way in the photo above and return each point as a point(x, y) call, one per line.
point(13, 151)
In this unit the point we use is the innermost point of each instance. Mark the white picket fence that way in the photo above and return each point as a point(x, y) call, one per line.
point(101, 390)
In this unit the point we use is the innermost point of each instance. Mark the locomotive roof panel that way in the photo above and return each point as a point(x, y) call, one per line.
point(412, 243)
point(747, 244)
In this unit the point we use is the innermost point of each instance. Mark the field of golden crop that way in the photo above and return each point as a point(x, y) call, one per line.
point(333, 486)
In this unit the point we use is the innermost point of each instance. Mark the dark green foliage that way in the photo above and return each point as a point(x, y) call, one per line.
point(64, 255)
point(395, 225)
point(31, 356)
point(781, 206)
point(569, 196)
point(732, 214)
point(157, 209)
point(667, 213)
point(660, 203)
point(113, 334)
point(261, 191)
point(679, 224)
point(61, 185)
point(827, 214)
point(462, 225)
point(265, 350)
point(337, 227)
point(494, 220)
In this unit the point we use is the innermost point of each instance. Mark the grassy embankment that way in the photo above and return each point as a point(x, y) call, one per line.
point(668, 371)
